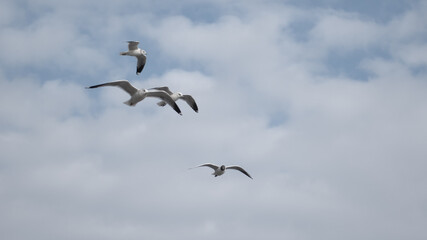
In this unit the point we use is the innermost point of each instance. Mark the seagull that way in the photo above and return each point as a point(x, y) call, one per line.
point(177, 95)
point(220, 170)
point(140, 54)
point(138, 95)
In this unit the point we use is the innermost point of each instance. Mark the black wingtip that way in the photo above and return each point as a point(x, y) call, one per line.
point(177, 109)
point(195, 108)
point(139, 69)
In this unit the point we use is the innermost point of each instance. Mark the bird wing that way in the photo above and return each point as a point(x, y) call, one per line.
point(133, 45)
point(190, 101)
point(123, 84)
point(166, 89)
point(240, 169)
point(165, 97)
point(214, 167)
point(140, 64)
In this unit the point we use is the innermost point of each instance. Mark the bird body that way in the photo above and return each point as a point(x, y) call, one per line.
point(135, 53)
point(138, 95)
point(220, 170)
point(176, 96)
point(140, 54)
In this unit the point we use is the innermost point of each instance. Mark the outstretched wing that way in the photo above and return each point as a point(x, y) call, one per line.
point(140, 64)
point(166, 89)
point(165, 97)
point(133, 45)
point(190, 101)
point(240, 169)
point(123, 84)
point(214, 167)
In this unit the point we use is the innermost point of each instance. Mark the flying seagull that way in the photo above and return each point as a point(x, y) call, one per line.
point(140, 54)
point(137, 95)
point(177, 95)
point(220, 170)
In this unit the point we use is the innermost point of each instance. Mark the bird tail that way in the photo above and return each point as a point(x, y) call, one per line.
point(162, 103)
point(129, 103)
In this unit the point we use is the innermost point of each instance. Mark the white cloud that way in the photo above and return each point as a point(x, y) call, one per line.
point(408, 26)
point(49, 44)
point(343, 31)
point(348, 155)
point(413, 54)
point(9, 13)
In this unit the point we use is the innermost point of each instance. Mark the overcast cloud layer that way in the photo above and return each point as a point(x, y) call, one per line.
point(323, 102)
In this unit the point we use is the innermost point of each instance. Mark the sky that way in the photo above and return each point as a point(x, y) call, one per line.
point(323, 102)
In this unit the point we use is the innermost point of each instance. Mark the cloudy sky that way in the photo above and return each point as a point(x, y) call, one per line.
point(324, 103)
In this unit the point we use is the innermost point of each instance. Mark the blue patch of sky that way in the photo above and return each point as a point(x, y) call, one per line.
point(158, 62)
point(202, 12)
point(349, 64)
point(32, 13)
point(419, 71)
point(379, 10)
point(277, 119)
point(338, 63)
point(299, 29)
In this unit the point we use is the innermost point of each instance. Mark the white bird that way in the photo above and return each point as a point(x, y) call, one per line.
point(178, 95)
point(140, 54)
point(138, 95)
point(218, 171)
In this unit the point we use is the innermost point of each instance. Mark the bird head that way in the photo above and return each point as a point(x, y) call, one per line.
point(222, 167)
